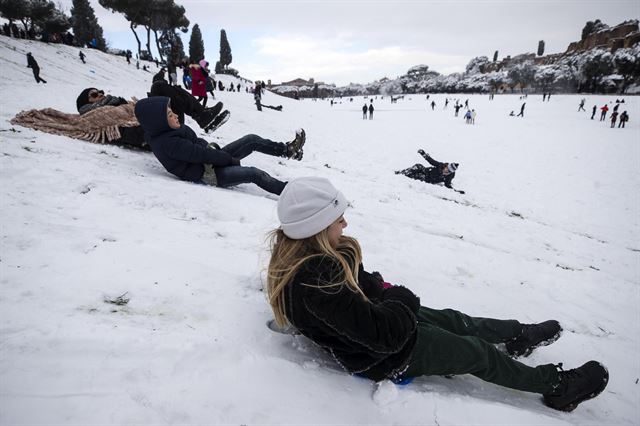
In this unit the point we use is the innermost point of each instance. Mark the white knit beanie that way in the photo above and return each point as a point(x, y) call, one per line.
point(308, 205)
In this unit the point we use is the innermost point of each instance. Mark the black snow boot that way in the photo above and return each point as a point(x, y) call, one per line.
point(218, 121)
point(206, 117)
point(294, 148)
point(577, 385)
point(533, 336)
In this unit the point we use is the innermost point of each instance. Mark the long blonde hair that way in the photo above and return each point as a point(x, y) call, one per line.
point(288, 255)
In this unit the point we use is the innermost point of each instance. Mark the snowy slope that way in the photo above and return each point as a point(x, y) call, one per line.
point(549, 228)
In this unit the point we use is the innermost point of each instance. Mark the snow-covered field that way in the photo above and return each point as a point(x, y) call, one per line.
point(548, 228)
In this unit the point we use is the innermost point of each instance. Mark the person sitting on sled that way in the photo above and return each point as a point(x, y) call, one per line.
point(316, 283)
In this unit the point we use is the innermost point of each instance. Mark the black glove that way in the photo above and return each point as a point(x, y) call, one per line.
point(404, 295)
point(421, 152)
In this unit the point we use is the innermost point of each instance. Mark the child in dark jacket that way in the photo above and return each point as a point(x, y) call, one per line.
point(438, 173)
point(317, 284)
point(193, 159)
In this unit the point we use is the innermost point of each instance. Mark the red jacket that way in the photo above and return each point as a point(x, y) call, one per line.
point(198, 81)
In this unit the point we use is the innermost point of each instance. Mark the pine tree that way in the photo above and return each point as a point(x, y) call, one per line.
point(225, 50)
point(85, 24)
point(196, 45)
point(541, 48)
point(495, 56)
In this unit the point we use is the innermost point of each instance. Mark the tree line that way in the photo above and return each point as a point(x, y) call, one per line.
point(162, 19)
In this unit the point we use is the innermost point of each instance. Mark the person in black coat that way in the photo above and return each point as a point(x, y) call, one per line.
point(371, 109)
point(438, 173)
point(33, 64)
point(91, 99)
point(317, 284)
point(193, 159)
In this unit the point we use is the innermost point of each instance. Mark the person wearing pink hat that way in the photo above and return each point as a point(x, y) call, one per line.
point(199, 81)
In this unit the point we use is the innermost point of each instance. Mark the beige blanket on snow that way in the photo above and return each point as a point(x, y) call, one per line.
point(97, 126)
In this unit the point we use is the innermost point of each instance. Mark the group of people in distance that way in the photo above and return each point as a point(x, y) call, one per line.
point(316, 279)
point(624, 117)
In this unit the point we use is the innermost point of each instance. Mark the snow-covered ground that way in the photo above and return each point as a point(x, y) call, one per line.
point(548, 228)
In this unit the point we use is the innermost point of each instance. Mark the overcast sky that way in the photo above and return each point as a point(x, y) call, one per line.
point(338, 41)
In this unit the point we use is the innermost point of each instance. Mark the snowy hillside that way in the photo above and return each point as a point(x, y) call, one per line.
point(549, 227)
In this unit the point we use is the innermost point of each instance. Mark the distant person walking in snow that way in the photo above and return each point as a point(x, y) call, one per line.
point(371, 109)
point(364, 111)
point(35, 68)
point(433, 105)
point(593, 111)
point(457, 107)
point(193, 159)
point(624, 117)
point(81, 55)
point(316, 283)
point(603, 113)
point(614, 117)
point(581, 106)
point(173, 74)
point(257, 96)
point(437, 173)
point(473, 116)
point(467, 117)
point(521, 114)
point(186, 76)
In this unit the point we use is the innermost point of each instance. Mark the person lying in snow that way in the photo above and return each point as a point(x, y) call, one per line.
point(439, 173)
point(92, 99)
point(193, 159)
point(207, 118)
point(316, 283)
point(114, 122)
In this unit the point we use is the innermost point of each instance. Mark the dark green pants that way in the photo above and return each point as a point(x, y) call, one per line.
point(450, 342)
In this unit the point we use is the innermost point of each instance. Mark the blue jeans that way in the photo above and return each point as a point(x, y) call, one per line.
point(234, 175)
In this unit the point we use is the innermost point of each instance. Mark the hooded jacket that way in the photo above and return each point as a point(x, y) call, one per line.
point(373, 338)
point(180, 151)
